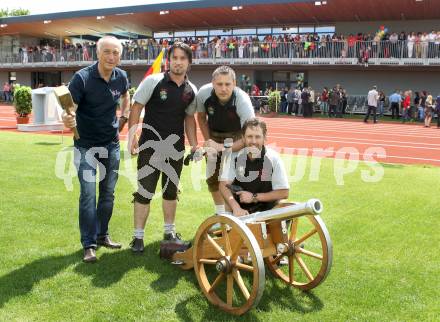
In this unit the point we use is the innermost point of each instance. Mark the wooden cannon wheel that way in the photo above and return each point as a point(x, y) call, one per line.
point(228, 264)
point(308, 253)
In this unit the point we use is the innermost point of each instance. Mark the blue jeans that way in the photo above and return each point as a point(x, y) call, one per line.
point(94, 218)
point(381, 108)
point(421, 113)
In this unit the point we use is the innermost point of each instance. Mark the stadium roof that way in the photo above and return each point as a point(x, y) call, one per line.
point(187, 15)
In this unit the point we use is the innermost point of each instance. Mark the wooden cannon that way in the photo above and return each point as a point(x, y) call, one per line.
point(228, 253)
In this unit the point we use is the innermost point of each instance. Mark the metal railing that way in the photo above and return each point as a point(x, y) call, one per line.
point(334, 52)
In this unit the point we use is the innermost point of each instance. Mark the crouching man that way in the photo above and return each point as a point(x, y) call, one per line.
point(256, 171)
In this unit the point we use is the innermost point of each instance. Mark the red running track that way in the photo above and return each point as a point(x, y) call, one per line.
point(385, 142)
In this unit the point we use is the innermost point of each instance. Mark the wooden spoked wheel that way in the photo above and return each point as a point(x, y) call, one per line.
point(228, 264)
point(307, 256)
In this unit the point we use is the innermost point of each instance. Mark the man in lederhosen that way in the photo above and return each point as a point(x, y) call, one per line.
point(222, 109)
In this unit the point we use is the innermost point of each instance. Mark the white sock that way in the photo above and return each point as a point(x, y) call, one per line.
point(139, 233)
point(169, 228)
point(219, 209)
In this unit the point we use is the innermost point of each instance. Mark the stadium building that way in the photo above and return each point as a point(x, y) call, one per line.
point(270, 43)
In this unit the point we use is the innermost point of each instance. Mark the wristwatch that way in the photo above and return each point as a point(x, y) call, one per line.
point(228, 144)
point(254, 198)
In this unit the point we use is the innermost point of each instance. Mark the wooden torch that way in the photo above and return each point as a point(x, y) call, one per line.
point(65, 99)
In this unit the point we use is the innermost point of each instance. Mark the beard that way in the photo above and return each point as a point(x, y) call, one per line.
point(178, 71)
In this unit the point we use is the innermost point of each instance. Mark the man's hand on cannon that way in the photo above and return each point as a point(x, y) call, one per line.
point(246, 196)
point(238, 212)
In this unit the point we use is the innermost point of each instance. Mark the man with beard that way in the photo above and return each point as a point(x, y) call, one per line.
point(257, 170)
point(169, 100)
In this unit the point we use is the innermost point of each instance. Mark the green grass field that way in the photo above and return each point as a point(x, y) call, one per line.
point(385, 236)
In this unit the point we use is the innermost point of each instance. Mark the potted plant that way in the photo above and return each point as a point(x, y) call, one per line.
point(22, 103)
point(274, 102)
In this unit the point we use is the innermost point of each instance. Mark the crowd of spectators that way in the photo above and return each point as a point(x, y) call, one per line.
point(310, 45)
point(303, 101)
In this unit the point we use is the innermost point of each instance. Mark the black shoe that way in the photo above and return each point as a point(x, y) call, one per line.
point(137, 245)
point(175, 238)
point(89, 255)
point(108, 243)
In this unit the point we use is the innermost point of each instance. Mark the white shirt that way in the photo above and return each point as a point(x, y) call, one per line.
point(373, 97)
point(278, 176)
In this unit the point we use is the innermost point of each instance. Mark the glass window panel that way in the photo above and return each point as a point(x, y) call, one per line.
point(264, 31)
point(190, 33)
point(220, 32)
point(162, 34)
point(201, 32)
point(326, 29)
point(280, 76)
point(245, 31)
point(285, 30)
point(306, 29)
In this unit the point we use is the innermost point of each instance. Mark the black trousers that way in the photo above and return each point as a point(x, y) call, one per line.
point(395, 110)
point(371, 109)
point(295, 108)
point(332, 111)
point(290, 107)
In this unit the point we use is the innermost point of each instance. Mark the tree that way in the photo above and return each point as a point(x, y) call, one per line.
point(14, 12)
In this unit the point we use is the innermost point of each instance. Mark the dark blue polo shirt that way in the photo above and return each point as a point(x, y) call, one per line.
point(97, 101)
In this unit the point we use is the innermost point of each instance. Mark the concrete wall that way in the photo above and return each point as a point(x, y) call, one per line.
point(393, 26)
point(3, 78)
point(359, 82)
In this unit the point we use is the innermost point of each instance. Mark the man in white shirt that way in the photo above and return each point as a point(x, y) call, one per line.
point(257, 171)
point(373, 97)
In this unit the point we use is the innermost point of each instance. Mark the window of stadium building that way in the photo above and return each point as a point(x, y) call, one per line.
point(285, 30)
point(308, 29)
point(325, 30)
point(179, 34)
point(162, 34)
point(244, 31)
point(260, 32)
point(202, 33)
point(264, 31)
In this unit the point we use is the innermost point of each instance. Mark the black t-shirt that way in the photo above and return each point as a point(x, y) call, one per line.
point(222, 118)
point(166, 105)
point(97, 100)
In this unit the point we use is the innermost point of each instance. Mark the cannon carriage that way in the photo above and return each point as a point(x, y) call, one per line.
point(229, 253)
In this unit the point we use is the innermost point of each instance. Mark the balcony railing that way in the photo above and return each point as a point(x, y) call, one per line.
point(261, 53)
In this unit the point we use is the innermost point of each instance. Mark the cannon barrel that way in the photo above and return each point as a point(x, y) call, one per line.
point(310, 207)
